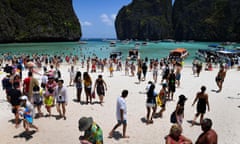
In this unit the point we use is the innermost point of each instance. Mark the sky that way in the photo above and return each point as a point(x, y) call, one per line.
point(97, 16)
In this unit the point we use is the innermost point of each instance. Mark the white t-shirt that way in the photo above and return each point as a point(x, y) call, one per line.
point(121, 104)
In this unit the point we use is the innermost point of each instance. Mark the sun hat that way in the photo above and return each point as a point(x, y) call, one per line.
point(24, 97)
point(84, 123)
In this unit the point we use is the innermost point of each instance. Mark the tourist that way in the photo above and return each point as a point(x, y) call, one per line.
point(13, 98)
point(111, 68)
point(163, 98)
point(28, 84)
point(49, 101)
point(175, 136)
point(198, 68)
point(72, 75)
point(155, 71)
point(78, 84)
point(87, 87)
point(220, 78)
point(100, 86)
point(144, 70)
point(139, 72)
point(178, 74)
point(151, 104)
point(121, 114)
point(92, 132)
point(202, 99)
point(61, 98)
point(171, 84)
point(37, 99)
point(180, 109)
point(209, 136)
point(27, 112)
point(165, 73)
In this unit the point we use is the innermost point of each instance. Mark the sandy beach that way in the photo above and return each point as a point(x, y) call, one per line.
point(224, 111)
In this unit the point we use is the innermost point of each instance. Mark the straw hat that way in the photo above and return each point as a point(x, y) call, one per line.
point(84, 123)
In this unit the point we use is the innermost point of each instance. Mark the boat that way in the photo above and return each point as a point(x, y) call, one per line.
point(82, 42)
point(178, 53)
point(209, 53)
point(116, 55)
point(133, 54)
point(112, 43)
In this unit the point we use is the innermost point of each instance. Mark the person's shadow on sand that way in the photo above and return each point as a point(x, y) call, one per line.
point(26, 135)
point(116, 135)
point(195, 123)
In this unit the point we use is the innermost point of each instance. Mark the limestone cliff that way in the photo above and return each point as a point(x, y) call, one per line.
point(38, 21)
point(145, 19)
point(206, 20)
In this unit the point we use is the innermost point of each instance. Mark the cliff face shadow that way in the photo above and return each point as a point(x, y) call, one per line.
point(26, 134)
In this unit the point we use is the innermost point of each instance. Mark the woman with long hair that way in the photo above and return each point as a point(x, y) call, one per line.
point(151, 103)
point(87, 86)
point(78, 84)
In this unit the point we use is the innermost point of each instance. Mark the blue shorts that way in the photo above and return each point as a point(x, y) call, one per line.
point(122, 122)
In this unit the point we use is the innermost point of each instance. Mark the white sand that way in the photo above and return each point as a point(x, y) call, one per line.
point(224, 111)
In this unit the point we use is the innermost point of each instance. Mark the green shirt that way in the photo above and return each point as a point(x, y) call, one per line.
point(94, 134)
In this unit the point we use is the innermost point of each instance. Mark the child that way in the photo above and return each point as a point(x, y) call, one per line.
point(49, 100)
point(37, 99)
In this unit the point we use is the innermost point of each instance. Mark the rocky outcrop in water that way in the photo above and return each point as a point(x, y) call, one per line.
point(145, 19)
point(206, 20)
point(38, 21)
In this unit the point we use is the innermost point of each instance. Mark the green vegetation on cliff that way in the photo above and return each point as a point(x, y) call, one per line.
point(38, 20)
point(145, 19)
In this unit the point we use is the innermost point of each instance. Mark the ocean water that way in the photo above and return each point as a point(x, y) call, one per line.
point(102, 48)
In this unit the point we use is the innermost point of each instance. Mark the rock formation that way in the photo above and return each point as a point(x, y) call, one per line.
point(38, 21)
point(145, 19)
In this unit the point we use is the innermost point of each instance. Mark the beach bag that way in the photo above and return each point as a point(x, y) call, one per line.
point(173, 118)
point(158, 100)
point(93, 95)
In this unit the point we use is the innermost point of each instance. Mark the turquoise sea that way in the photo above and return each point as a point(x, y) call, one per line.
point(102, 48)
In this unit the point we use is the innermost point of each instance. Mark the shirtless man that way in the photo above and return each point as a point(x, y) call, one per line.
point(209, 136)
point(220, 78)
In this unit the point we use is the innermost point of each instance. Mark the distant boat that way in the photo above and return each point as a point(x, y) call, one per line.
point(133, 54)
point(178, 53)
point(144, 43)
point(112, 43)
point(82, 42)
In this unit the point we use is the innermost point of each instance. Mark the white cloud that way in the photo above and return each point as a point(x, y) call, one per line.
point(86, 23)
point(108, 20)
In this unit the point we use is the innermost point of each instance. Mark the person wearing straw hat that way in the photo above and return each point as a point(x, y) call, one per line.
point(92, 132)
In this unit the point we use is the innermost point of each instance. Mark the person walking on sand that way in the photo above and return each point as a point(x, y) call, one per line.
point(13, 98)
point(78, 84)
point(27, 112)
point(220, 78)
point(163, 97)
point(202, 99)
point(180, 109)
point(61, 98)
point(209, 136)
point(121, 114)
point(100, 86)
point(151, 103)
point(71, 75)
point(87, 86)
